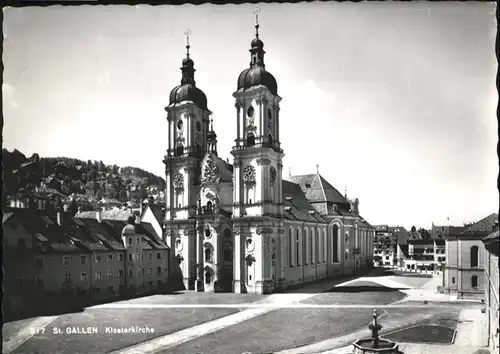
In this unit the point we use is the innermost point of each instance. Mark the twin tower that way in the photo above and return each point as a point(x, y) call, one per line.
point(223, 221)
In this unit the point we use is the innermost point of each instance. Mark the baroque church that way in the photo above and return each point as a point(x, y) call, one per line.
point(241, 227)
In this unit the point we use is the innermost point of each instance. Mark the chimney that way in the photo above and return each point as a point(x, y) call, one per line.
point(99, 215)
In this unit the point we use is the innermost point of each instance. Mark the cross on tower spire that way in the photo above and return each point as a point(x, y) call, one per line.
point(187, 34)
point(256, 11)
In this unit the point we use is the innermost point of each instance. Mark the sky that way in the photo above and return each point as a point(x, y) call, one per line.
point(395, 101)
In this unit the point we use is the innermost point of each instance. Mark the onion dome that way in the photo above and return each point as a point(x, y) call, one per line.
point(129, 229)
point(256, 74)
point(187, 90)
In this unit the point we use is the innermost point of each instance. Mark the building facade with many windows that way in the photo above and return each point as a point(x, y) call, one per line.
point(464, 270)
point(67, 258)
point(242, 227)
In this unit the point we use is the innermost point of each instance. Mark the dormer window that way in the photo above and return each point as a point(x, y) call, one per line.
point(308, 185)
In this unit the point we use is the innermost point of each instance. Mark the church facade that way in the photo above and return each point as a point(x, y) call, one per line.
point(242, 227)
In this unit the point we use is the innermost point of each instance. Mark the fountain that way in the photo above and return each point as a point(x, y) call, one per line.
point(375, 344)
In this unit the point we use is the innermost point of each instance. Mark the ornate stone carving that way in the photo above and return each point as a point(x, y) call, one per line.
point(263, 161)
point(237, 230)
point(272, 175)
point(178, 181)
point(263, 230)
point(249, 174)
point(179, 244)
point(211, 173)
point(237, 104)
point(259, 101)
point(250, 244)
point(186, 232)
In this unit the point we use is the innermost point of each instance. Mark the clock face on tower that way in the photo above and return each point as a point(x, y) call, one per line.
point(249, 174)
point(272, 175)
point(178, 181)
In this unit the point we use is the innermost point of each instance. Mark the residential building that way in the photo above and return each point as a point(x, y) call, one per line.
point(464, 271)
point(425, 250)
point(491, 288)
point(50, 255)
point(385, 244)
point(241, 227)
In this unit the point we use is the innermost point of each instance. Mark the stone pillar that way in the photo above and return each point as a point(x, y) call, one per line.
point(199, 259)
point(238, 123)
point(238, 279)
point(260, 103)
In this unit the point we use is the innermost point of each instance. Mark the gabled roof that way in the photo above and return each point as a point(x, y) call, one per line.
point(483, 227)
point(157, 211)
point(317, 189)
point(491, 243)
point(297, 207)
point(48, 236)
point(6, 216)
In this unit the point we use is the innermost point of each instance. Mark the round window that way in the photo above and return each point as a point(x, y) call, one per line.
point(198, 126)
point(207, 233)
point(250, 111)
point(180, 124)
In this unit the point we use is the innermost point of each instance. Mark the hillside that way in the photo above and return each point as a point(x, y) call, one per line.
point(91, 180)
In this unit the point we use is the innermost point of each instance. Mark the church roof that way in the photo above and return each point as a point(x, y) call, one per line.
point(317, 189)
point(157, 211)
point(297, 207)
point(482, 227)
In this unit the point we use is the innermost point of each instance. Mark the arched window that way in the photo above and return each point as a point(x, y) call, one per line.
point(473, 281)
point(270, 139)
point(290, 250)
point(250, 139)
point(474, 256)
point(297, 248)
point(209, 206)
point(335, 244)
point(320, 247)
point(179, 150)
point(208, 277)
point(307, 246)
point(311, 246)
point(325, 248)
point(208, 255)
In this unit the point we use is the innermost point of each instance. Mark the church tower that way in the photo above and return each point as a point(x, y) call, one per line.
point(257, 193)
point(188, 131)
